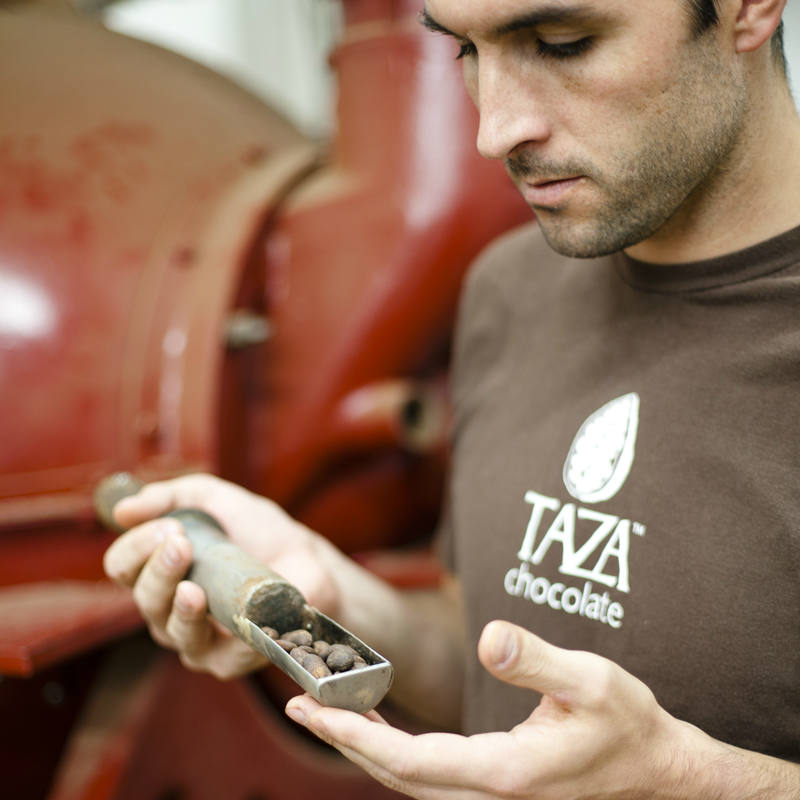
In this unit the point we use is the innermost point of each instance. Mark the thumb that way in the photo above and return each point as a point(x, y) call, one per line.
point(518, 657)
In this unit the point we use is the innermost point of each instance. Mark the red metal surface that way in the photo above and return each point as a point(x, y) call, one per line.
point(118, 261)
point(39, 715)
point(45, 623)
point(142, 201)
point(113, 720)
point(362, 272)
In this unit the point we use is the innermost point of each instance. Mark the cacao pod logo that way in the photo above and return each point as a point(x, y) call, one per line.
point(601, 455)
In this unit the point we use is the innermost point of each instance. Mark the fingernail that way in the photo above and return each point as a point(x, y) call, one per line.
point(181, 606)
point(503, 646)
point(171, 554)
point(297, 714)
point(162, 529)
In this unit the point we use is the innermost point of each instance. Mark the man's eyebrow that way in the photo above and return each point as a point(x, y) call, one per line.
point(549, 15)
point(432, 25)
point(542, 16)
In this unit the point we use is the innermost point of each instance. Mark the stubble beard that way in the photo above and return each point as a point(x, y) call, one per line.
point(681, 155)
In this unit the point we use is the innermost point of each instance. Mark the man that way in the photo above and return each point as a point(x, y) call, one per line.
point(625, 434)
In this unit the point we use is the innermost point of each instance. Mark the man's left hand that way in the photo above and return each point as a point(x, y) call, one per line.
point(598, 733)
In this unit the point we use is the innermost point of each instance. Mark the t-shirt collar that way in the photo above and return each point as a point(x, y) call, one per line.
point(769, 256)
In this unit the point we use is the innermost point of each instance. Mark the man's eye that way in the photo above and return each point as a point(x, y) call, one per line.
point(546, 49)
point(563, 49)
point(466, 49)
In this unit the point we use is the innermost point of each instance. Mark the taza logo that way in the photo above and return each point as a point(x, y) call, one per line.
point(601, 455)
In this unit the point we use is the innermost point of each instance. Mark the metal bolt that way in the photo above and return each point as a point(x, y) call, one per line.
point(245, 328)
point(53, 693)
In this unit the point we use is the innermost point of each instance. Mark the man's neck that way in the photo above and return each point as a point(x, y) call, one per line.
point(755, 197)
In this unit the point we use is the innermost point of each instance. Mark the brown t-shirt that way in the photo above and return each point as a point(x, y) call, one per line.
point(626, 476)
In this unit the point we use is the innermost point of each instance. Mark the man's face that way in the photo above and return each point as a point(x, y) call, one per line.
point(613, 119)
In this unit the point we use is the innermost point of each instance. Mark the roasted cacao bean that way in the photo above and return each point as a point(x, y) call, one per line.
point(300, 637)
point(315, 665)
point(341, 657)
point(299, 653)
point(322, 648)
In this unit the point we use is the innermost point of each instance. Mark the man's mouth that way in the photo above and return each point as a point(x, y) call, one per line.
point(548, 192)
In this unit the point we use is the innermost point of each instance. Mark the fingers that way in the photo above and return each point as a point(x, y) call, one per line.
point(430, 765)
point(225, 657)
point(187, 625)
point(155, 499)
point(308, 712)
point(571, 678)
point(174, 609)
point(152, 559)
point(155, 587)
point(202, 645)
point(518, 657)
point(125, 557)
point(150, 501)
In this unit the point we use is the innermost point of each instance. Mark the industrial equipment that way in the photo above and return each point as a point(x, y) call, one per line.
point(187, 283)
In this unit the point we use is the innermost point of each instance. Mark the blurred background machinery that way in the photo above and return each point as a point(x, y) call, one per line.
point(191, 280)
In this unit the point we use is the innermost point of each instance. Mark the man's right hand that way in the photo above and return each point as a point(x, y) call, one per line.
point(152, 557)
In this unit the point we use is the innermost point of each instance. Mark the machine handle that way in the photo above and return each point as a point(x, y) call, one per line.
point(237, 586)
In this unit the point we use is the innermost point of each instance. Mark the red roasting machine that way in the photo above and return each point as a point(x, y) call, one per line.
point(187, 283)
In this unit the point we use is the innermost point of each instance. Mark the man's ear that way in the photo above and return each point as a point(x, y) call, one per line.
point(756, 22)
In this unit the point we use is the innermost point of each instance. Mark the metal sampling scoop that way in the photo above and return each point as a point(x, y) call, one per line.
point(245, 595)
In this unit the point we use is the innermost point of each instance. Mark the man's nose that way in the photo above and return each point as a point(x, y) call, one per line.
point(511, 111)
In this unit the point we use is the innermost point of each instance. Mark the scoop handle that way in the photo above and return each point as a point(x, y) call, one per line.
point(237, 586)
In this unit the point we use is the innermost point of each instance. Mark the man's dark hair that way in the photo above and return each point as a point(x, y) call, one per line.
point(705, 15)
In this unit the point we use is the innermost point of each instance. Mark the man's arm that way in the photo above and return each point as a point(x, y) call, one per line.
point(752, 776)
point(420, 632)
